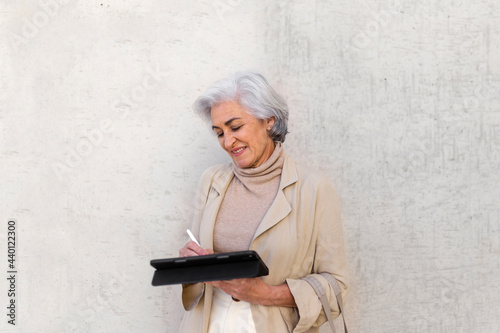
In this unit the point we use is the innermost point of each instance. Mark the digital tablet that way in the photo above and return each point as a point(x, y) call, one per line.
point(212, 267)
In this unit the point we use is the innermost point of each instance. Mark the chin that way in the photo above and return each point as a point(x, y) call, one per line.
point(242, 164)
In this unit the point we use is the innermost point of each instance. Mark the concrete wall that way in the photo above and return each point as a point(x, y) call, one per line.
point(397, 101)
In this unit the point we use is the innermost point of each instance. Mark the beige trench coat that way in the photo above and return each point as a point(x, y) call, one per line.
point(300, 235)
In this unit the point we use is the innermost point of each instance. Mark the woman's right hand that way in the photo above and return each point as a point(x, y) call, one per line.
point(192, 249)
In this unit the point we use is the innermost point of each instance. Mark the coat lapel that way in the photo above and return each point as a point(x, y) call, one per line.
point(220, 183)
point(280, 207)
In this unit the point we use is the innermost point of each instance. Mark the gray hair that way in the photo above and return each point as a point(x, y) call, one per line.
point(254, 93)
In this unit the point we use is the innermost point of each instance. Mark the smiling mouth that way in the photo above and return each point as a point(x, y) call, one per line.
point(238, 151)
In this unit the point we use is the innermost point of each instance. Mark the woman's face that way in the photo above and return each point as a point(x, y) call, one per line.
point(244, 137)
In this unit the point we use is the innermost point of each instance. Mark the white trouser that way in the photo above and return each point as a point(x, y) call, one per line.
point(228, 316)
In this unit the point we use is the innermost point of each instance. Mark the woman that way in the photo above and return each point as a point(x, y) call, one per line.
point(262, 201)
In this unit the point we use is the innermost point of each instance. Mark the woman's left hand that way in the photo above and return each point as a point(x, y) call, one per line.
point(256, 291)
point(252, 290)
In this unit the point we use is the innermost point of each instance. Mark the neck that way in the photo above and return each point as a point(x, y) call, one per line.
point(267, 166)
point(269, 150)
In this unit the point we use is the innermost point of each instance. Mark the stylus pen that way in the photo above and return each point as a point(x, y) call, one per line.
point(192, 237)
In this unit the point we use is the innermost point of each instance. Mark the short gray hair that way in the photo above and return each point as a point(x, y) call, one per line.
point(254, 93)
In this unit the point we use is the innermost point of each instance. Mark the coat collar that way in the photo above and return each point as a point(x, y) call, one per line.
point(279, 209)
point(223, 177)
point(220, 183)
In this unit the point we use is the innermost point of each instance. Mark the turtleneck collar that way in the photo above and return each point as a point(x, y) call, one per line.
point(267, 170)
point(246, 201)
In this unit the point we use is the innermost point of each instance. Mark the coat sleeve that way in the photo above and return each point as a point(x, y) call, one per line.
point(329, 257)
point(192, 293)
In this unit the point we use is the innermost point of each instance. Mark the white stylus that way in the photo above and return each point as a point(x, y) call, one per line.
point(192, 237)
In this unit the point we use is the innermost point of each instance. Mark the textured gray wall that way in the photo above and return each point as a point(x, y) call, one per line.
point(397, 101)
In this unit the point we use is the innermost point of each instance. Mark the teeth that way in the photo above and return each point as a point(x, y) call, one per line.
point(237, 151)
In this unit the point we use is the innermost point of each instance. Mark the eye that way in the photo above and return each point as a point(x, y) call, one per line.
point(219, 135)
point(234, 129)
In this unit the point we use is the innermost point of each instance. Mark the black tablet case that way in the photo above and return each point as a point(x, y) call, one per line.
point(213, 267)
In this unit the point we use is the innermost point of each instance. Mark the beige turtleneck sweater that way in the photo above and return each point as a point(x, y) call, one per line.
point(246, 202)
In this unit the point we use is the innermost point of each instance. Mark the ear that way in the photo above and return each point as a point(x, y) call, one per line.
point(270, 122)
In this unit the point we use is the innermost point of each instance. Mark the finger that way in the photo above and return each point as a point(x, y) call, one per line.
point(195, 247)
point(213, 283)
point(191, 249)
point(227, 287)
point(198, 249)
point(239, 282)
point(187, 253)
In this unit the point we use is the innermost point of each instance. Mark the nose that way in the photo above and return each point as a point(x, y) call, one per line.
point(228, 141)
